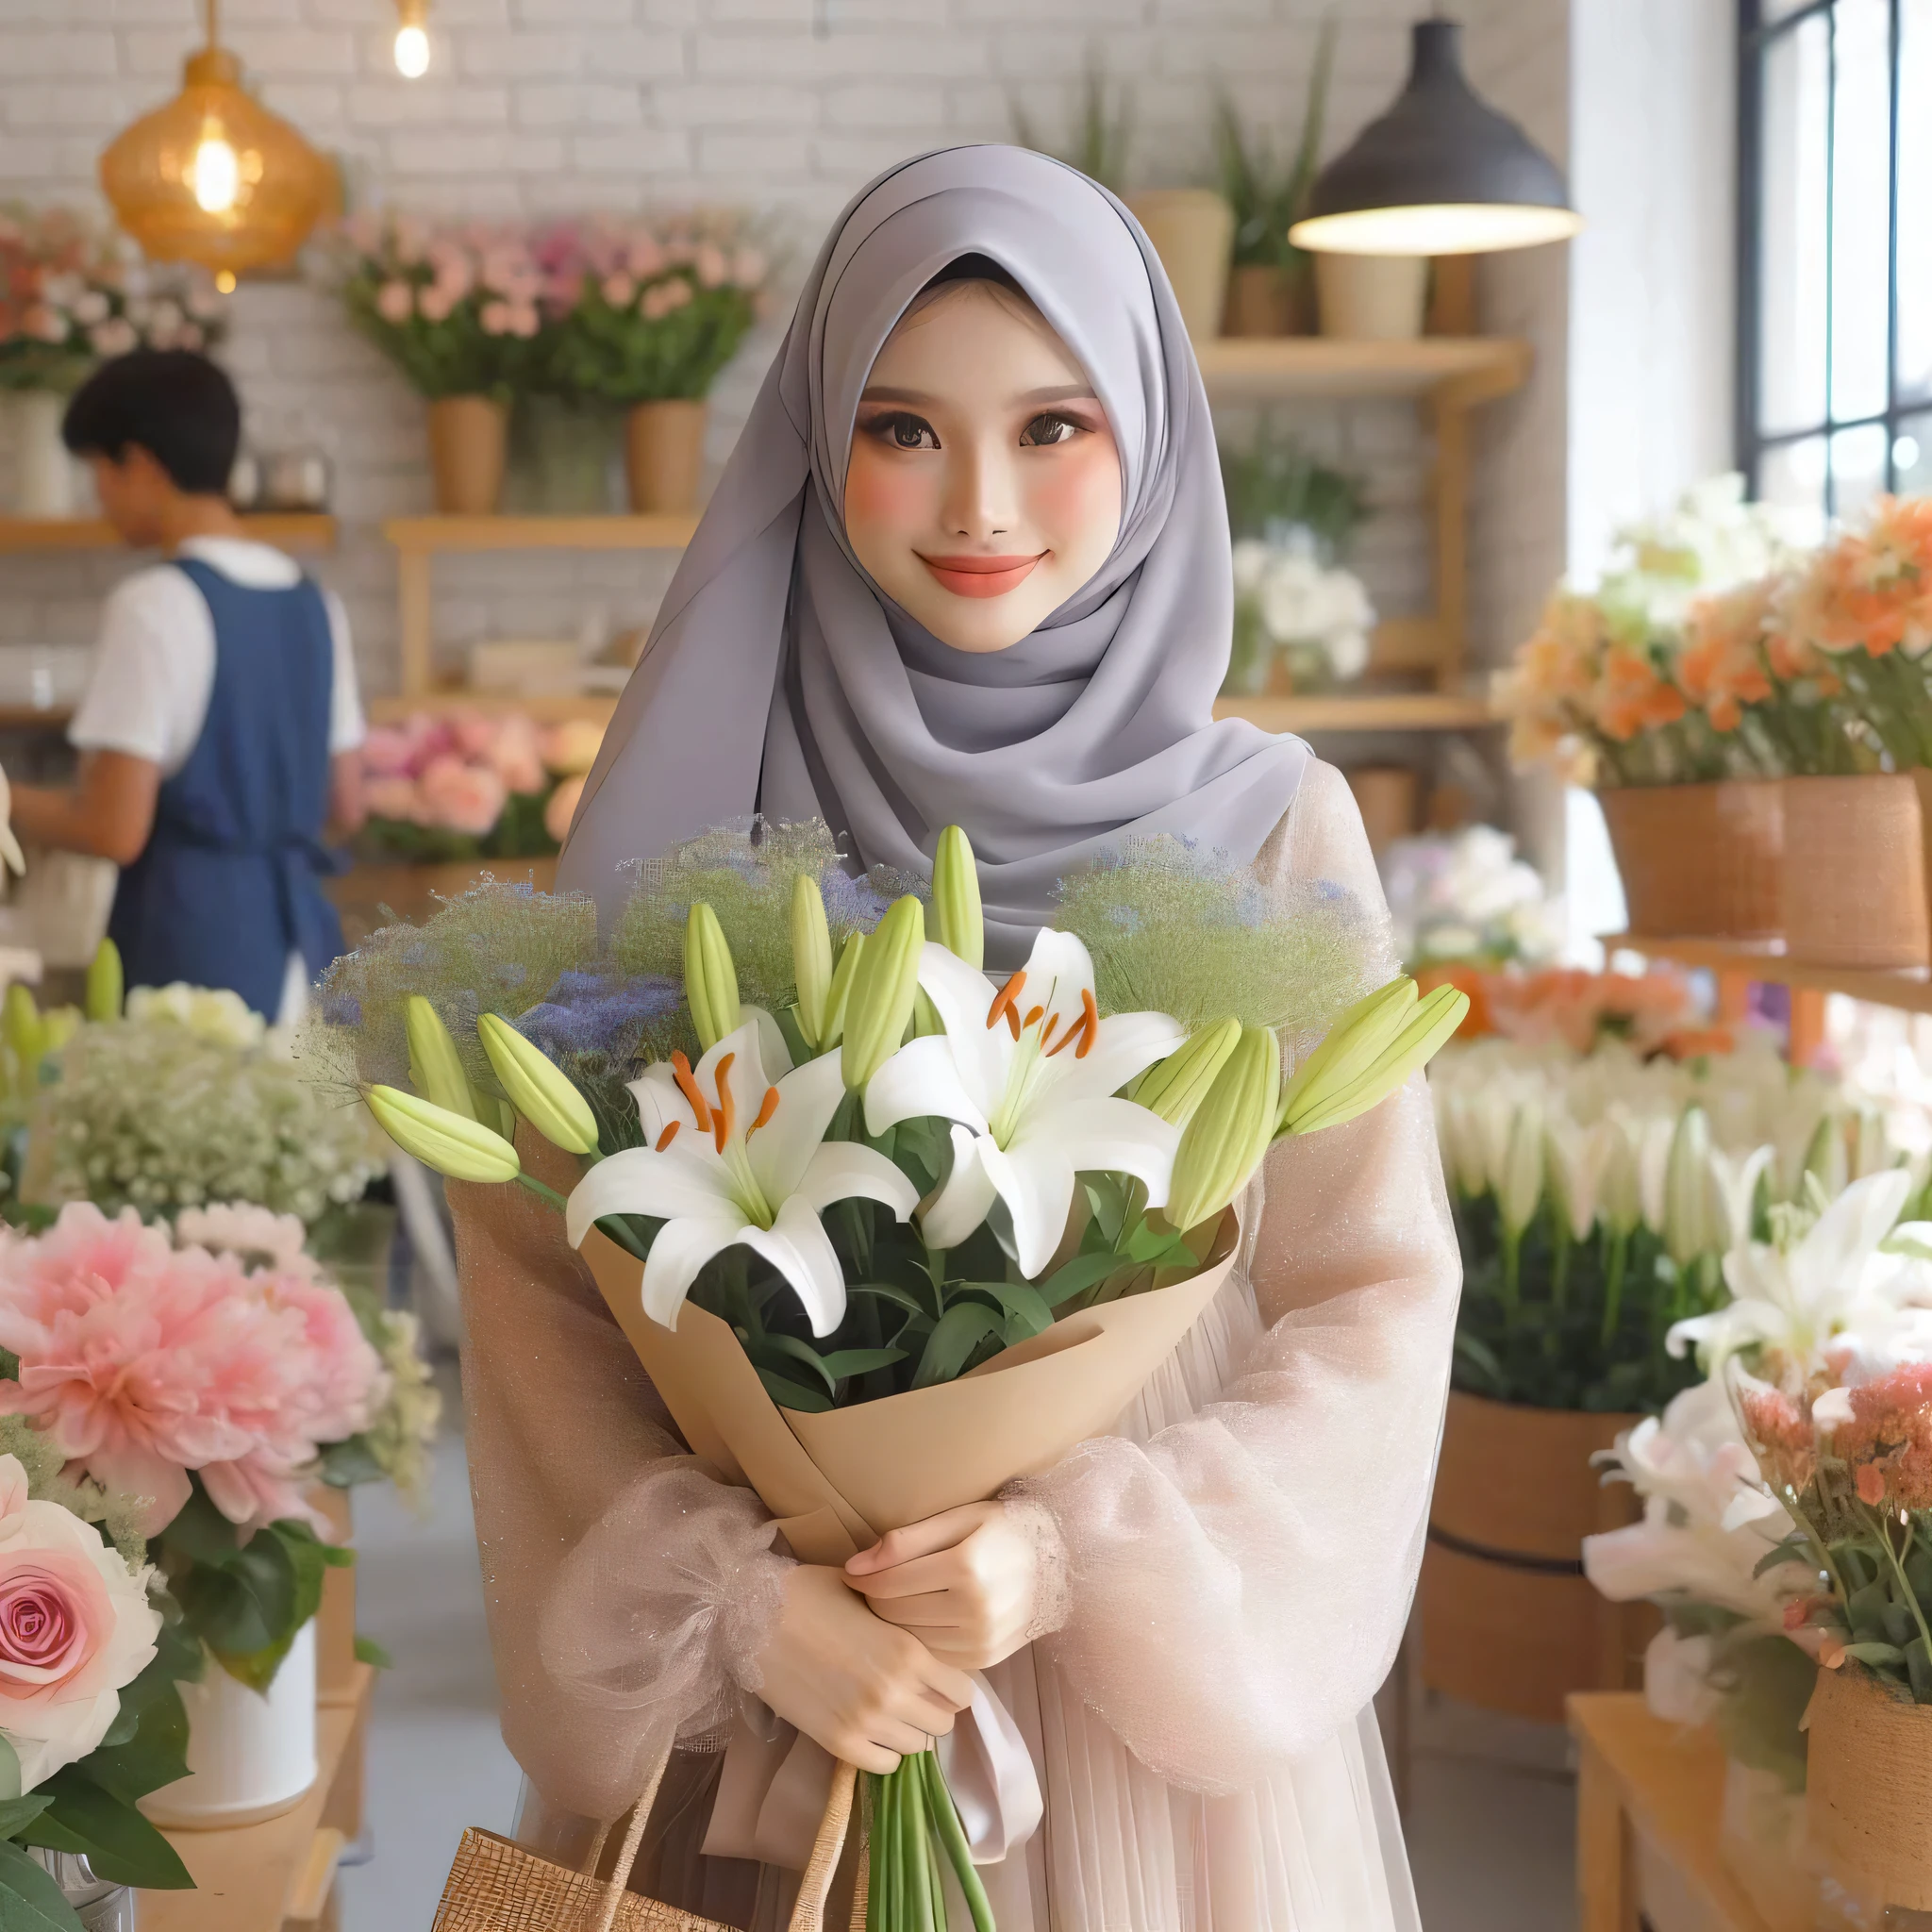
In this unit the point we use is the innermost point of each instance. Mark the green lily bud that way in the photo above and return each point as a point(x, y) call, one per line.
point(540, 1091)
point(20, 1026)
point(1177, 1085)
point(1691, 1213)
point(1827, 1157)
point(956, 898)
point(452, 1143)
point(1520, 1186)
point(436, 1069)
point(838, 994)
point(59, 1024)
point(812, 957)
point(1424, 1028)
point(884, 984)
point(107, 989)
point(499, 1116)
point(710, 979)
point(1349, 1047)
point(1224, 1142)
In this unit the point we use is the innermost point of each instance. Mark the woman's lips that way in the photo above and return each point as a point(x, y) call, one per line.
point(981, 576)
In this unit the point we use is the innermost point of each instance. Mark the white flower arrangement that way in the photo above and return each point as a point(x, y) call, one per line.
point(1291, 608)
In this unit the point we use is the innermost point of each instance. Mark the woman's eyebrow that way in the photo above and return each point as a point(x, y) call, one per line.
point(1062, 393)
point(878, 393)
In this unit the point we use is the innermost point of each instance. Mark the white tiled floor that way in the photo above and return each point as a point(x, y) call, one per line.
point(1488, 1826)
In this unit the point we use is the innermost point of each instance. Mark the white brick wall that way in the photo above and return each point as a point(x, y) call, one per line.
point(536, 106)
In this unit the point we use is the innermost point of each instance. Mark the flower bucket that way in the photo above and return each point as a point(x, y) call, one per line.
point(1373, 298)
point(1700, 860)
point(467, 439)
point(1192, 232)
point(1262, 301)
point(563, 457)
point(43, 473)
point(250, 1756)
point(664, 457)
point(1854, 871)
point(1868, 1796)
point(1508, 1620)
point(369, 897)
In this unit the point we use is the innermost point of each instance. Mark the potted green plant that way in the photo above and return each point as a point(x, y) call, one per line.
point(1268, 290)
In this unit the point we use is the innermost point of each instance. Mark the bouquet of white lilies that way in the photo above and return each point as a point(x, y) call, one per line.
point(889, 1170)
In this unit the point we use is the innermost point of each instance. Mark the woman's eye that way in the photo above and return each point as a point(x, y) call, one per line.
point(901, 431)
point(1045, 430)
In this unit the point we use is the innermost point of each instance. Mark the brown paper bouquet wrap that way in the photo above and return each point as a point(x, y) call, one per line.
point(837, 1481)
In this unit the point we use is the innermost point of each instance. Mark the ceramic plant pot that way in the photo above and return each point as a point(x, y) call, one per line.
point(43, 473)
point(1262, 301)
point(1373, 298)
point(251, 1755)
point(1192, 232)
point(664, 457)
point(1700, 860)
point(466, 442)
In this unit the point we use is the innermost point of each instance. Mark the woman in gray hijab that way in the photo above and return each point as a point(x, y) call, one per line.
point(969, 563)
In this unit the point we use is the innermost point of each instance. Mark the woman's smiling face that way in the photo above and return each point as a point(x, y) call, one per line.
point(984, 485)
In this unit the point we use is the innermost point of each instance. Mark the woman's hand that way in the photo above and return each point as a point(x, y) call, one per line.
point(870, 1693)
point(965, 1582)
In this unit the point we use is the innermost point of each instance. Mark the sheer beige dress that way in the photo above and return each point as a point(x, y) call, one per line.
point(1225, 1576)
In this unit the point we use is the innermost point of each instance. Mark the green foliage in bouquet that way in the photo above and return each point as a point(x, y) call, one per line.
point(1273, 487)
point(1266, 195)
point(616, 353)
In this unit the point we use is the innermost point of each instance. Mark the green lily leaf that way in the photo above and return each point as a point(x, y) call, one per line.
point(788, 1394)
point(15, 1812)
point(956, 1334)
point(30, 1899)
point(122, 1847)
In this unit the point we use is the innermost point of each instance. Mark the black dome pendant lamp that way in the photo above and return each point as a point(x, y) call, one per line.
point(1442, 172)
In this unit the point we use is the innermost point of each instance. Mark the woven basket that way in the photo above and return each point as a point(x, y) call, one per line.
point(1868, 1790)
point(1854, 872)
point(496, 1886)
point(1699, 860)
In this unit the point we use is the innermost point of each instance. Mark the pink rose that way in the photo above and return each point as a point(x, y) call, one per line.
point(395, 302)
point(460, 798)
point(620, 290)
point(75, 1626)
point(562, 808)
point(394, 799)
point(515, 757)
point(494, 316)
point(714, 271)
point(748, 268)
point(389, 749)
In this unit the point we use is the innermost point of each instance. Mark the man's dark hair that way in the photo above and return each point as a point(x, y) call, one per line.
point(176, 405)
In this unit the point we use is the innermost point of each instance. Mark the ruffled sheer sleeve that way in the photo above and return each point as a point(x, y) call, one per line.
point(1232, 1592)
point(627, 1589)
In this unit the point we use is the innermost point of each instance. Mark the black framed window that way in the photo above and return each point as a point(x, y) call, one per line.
point(1835, 250)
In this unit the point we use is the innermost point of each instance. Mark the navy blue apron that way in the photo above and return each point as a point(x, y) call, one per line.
point(228, 885)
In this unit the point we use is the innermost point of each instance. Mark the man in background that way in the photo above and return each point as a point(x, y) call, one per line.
point(219, 737)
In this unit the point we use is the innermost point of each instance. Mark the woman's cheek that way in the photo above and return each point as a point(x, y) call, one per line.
point(890, 498)
point(1075, 500)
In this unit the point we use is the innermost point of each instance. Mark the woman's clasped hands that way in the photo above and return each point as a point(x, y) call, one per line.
point(871, 1661)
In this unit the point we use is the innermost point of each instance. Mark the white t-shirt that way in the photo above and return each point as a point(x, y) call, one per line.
point(154, 673)
point(155, 665)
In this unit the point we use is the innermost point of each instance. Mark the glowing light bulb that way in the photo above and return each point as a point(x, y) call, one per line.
point(412, 52)
point(215, 174)
point(225, 281)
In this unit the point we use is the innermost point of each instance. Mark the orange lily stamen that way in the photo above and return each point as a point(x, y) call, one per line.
point(1089, 1023)
point(726, 1117)
point(1003, 1000)
point(1052, 1020)
point(669, 1135)
point(1013, 1020)
point(680, 1072)
point(766, 1111)
point(1033, 1016)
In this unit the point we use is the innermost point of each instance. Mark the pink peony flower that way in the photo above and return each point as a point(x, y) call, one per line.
point(516, 757)
point(714, 271)
point(436, 303)
point(562, 808)
point(460, 798)
point(389, 749)
point(494, 318)
point(395, 302)
point(142, 1361)
point(394, 798)
point(620, 290)
point(75, 1627)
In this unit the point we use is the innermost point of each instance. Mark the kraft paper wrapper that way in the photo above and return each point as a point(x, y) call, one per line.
point(1868, 1787)
point(839, 1480)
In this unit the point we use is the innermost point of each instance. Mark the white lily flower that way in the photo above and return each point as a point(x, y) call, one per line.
point(1834, 1281)
point(1519, 1184)
point(1030, 1077)
point(732, 1159)
point(1579, 1159)
point(1708, 1516)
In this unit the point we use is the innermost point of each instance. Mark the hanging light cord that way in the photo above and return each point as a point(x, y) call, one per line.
point(213, 13)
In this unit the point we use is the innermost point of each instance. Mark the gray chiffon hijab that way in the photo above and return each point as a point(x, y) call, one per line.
point(779, 680)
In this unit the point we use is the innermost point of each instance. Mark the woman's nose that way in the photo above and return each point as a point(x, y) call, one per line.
point(982, 497)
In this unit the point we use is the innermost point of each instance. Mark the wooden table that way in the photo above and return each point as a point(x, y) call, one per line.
point(279, 1874)
point(1638, 1775)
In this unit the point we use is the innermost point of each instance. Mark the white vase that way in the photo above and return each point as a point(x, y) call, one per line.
point(1373, 298)
point(250, 1756)
point(42, 470)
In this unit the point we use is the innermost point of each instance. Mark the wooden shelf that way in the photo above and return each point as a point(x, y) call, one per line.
point(551, 709)
point(1908, 988)
point(1416, 711)
point(1640, 1778)
point(1465, 368)
point(31, 718)
point(426, 536)
point(22, 533)
point(251, 1877)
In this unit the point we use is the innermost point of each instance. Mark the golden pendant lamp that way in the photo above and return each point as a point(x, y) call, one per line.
point(215, 178)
